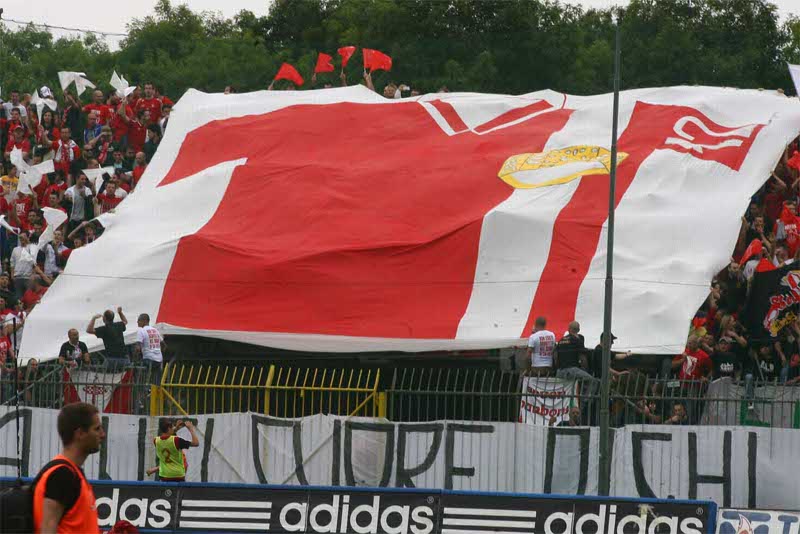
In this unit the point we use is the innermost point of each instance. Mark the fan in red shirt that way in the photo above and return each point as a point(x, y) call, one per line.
point(121, 116)
point(54, 199)
point(18, 141)
point(694, 363)
point(46, 130)
point(15, 122)
point(34, 294)
point(24, 204)
point(152, 102)
point(108, 199)
point(138, 169)
point(103, 111)
point(66, 152)
point(787, 227)
point(137, 130)
point(134, 97)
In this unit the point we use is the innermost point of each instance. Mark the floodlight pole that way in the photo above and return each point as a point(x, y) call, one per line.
point(604, 478)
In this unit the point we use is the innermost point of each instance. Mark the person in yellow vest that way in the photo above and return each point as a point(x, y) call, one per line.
point(63, 500)
point(169, 450)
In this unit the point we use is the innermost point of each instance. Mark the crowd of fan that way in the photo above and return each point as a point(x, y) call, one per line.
point(118, 134)
point(123, 133)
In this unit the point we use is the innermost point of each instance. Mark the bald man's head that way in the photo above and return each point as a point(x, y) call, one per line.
point(574, 327)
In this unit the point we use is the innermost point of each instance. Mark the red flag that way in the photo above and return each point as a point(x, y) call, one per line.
point(376, 60)
point(755, 247)
point(764, 266)
point(288, 72)
point(346, 52)
point(324, 63)
point(794, 161)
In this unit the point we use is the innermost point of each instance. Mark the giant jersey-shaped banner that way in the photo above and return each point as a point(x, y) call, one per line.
point(337, 220)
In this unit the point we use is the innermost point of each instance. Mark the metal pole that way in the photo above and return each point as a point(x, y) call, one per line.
point(604, 479)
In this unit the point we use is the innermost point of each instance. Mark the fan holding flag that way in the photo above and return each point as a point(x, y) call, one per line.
point(324, 64)
point(287, 72)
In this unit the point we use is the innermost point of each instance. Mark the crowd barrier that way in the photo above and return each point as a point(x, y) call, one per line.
point(404, 394)
point(279, 509)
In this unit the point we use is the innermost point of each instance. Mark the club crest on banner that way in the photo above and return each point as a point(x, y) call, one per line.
point(528, 171)
point(704, 139)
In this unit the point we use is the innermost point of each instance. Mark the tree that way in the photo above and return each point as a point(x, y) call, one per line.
point(504, 46)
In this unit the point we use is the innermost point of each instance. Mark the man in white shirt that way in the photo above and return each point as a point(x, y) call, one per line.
point(15, 104)
point(150, 341)
point(79, 194)
point(541, 346)
point(23, 259)
point(52, 251)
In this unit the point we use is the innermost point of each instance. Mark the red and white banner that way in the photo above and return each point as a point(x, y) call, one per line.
point(546, 398)
point(109, 392)
point(337, 220)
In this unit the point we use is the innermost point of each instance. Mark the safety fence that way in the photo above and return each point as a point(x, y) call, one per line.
point(112, 390)
point(273, 390)
point(410, 394)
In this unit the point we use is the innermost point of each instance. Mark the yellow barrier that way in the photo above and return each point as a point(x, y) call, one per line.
point(275, 390)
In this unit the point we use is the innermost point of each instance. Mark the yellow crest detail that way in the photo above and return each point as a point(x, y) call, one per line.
point(559, 166)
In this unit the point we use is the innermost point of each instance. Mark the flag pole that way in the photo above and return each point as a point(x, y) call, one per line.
point(604, 479)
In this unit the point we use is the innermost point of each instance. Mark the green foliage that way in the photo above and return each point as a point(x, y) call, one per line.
point(503, 46)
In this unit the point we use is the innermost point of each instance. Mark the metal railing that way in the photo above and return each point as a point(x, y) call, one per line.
point(272, 390)
point(636, 398)
point(407, 395)
point(52, 385)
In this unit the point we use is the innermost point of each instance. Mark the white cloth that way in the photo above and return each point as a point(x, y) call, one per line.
point(749, 269)
point(121, 85)
point(794, 72)
point(543, 344)
point(22, 260)
point(150, 340)
point(81, 83)
point(79, 197)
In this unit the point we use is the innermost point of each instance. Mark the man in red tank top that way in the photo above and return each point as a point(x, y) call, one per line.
point(63, 500)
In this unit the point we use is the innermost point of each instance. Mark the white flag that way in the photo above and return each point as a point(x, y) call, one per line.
point(81, 83)
point(4, 224)
point(95, 176)
point(40, 103)
point(54, 219)
point(121, 85)
point(794, 72)
point(29, 175)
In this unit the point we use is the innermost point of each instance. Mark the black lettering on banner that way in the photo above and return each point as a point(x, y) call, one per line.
point(695, 479)
point(388, 452)
point(404, 476)
point(583, 443)
point(752, 455)
point(336, 441)
point(207, 442)
point(450, 470)
point(103, 468)
point(297, 445)
point(141, 439)
point(10, 418)
point(637, 441)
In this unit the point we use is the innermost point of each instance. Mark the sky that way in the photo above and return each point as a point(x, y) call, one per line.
point(85, 14)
